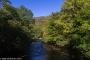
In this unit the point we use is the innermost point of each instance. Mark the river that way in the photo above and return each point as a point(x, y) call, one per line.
point(38, 51)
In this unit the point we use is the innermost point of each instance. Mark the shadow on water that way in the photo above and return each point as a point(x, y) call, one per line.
point(57, 56)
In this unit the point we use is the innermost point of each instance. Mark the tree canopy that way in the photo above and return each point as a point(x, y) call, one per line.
point(15, 29)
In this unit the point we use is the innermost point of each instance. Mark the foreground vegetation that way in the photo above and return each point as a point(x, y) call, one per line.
point(69, 28)
point(15, 29)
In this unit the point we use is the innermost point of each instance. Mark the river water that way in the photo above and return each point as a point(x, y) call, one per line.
point(38, 51)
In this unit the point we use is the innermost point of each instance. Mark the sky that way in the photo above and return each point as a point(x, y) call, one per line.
point(40, 7)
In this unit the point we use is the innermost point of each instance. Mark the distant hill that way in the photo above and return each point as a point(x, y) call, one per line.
point(40, 18)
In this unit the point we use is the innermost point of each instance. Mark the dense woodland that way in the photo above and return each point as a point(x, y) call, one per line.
point(15, 29)
point(69, 28)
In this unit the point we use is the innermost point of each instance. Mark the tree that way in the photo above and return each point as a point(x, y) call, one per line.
point(71, 27)
point(3, 2)
point(25, 13)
